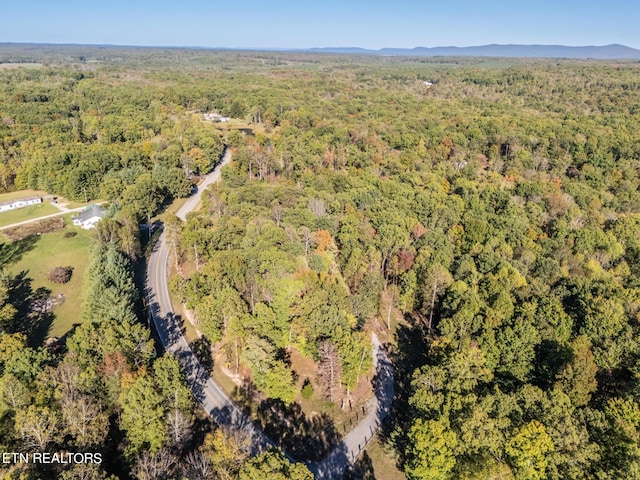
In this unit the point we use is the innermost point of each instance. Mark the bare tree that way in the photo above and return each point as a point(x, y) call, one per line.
point(277, 214)
point(65, 377)
point(438, 279)
point(213, 200)
point(155, 467)
point(84, 419)
point(329, 370)
point(307, 237)
point(197, 466)
point(37, 426)
point(317, 207)
point(13, 392)
point(179, 427)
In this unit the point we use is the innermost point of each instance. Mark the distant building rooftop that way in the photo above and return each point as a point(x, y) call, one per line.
point(90, 212)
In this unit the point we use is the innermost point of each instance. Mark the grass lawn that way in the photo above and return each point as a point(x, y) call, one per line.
point(26, 213)
point(53, 250)
point(380, 462)
point(173, 208)
point(5, 197)
point(71, 205)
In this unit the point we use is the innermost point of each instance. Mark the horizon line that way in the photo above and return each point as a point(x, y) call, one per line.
point(203, 47)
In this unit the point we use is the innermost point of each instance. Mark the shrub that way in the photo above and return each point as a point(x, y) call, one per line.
point(307, 390)
point(60, 274)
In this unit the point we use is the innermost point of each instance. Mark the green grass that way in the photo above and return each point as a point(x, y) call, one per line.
point(26, 213)
point(53, 250)
point(173, 208)
point(70, 205)
point(382, 462)
point(5, 197)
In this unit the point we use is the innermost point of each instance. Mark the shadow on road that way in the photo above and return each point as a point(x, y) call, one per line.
point(362, 469)
point(206, 392)
point(332, 467)
point(383, 384)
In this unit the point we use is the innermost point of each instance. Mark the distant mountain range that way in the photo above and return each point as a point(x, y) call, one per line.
point(605, 52)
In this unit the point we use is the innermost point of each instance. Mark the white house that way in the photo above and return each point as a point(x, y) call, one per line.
point(19, 203)
point(89, 217)
point(216, 117)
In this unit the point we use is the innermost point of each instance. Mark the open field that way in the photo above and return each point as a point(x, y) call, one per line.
point(5, 197)
point(27, 213)
point(54, 250)
point(72, 205)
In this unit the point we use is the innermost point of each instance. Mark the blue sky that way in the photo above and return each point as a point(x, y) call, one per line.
point(303, 24)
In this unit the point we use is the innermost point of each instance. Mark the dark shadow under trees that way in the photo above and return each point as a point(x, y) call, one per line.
point(33, 309)
point(202, 350)
point(411, 353)
point(303, 437)
point(12, 252)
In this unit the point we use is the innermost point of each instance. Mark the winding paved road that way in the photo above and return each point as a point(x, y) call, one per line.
point(217, 404)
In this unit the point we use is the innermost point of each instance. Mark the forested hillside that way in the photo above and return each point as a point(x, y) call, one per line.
point(87, 136)
point(487, 223)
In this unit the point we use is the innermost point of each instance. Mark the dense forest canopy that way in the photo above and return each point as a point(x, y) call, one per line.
point(488, 221)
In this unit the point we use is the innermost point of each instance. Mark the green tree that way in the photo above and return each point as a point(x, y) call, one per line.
point(274, 466)
point(214, 312)
point(578, 377)
point(143, 416)
point(144, 197)
point(431, 451)
point(528, 450)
